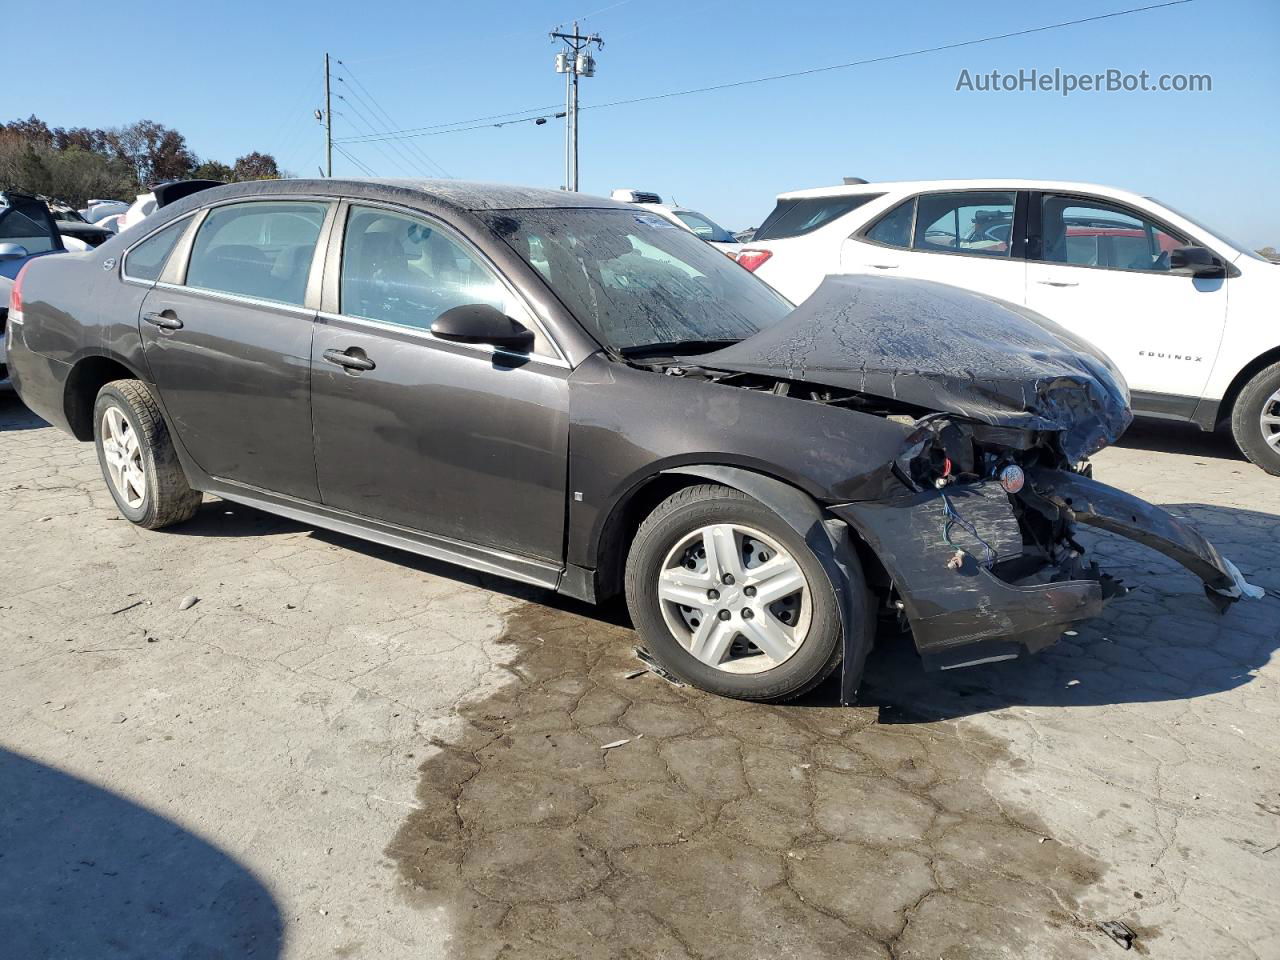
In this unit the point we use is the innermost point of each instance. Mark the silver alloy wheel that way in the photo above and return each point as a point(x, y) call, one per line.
point(123, 453)
point(735, 598)
point(1270, 421)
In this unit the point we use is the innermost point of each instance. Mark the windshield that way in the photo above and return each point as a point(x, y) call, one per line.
point(635, 280)
point(1221, 238)
point(704, 227)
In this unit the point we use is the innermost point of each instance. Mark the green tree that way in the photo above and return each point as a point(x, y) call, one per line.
point(256, 166)
point(212, 170)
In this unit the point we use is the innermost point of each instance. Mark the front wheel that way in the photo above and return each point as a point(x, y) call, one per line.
point(1255, 419)
point(728, 597)
point(137, 457)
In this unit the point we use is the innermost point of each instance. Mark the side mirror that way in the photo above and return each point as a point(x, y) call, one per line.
point(13, 251)
point(482, 323)
point(1196, 262)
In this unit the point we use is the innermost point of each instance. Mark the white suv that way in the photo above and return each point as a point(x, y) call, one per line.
point(1146, 284)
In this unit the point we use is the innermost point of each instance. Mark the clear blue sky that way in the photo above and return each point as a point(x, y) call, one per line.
point(249, 75)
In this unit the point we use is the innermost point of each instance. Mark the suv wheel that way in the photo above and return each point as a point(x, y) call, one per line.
point(137, 457)
point(1255, 419)
point(728, 597)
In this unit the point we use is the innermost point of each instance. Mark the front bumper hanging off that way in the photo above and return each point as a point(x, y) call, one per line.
point(949, 581)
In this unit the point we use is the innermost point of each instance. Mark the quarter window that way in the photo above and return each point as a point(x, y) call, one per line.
point(400, 270)
point(894, 228)
point(965, 222)
point(1095, 233)
point(259, 249)
point(146, 260)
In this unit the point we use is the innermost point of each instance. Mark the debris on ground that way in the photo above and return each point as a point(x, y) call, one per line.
point(635, 673)
point(645, 657)
point(1119, 931)
point(616, 743)
point(188, 602)
point(136, 603)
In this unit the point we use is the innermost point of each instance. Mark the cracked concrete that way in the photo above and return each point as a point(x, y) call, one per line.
point(343, 751)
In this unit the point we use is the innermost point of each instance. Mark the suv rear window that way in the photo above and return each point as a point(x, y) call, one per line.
point(798, 216)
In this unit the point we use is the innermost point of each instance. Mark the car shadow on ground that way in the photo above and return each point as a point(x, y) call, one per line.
point(85, 873)
point(1162, 641)
point(14, 415)
point(1176, 436)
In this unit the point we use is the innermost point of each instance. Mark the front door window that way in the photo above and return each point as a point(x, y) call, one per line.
point(1096, 233)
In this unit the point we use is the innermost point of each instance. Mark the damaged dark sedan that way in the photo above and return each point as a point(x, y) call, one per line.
point(574, 393)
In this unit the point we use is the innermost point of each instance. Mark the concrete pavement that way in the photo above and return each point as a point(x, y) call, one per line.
point(343, 751)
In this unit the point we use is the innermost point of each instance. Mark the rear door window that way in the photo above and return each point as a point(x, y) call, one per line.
point(967, 221)
point(798, 216)
point(261, 249)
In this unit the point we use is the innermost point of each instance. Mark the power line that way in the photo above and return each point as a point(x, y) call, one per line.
point(412, 132)
point(887, 57)
point(357, 115)
point(520, 115)
point(372, 102)
point(593, 13)
point(362, 167)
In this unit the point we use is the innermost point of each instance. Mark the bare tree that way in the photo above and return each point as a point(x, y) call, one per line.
point(153, 150)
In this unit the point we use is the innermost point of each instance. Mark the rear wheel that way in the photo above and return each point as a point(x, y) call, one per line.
point(137, 457)
point(1255, 419)
point(728, 597)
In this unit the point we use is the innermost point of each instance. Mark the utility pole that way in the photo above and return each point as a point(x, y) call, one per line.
point(574, 62)
point(328, 123)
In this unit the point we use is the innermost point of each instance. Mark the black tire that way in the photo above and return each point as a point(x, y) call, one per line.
point(674, 519)
point(168, 498)
point(1246, 419)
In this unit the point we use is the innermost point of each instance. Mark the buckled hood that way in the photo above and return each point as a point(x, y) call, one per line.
point(947, 350)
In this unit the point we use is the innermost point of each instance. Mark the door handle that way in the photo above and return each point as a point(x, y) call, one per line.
point(349, 360)
point(1058, 283)
point(165, 320)
point(884, 266)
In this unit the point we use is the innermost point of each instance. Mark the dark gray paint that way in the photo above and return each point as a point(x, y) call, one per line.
point(236, 381)
point(443, 438)
point(525, 467)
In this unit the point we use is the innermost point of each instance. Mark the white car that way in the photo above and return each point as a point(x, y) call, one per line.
point(1146, 284)
point(696, 223)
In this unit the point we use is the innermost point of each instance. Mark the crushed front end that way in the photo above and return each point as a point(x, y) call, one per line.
point(980, 544)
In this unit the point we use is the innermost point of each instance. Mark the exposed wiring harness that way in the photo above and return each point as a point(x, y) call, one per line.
point(953, 518)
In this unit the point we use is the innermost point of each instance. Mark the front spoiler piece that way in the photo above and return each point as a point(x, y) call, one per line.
point(961, 613)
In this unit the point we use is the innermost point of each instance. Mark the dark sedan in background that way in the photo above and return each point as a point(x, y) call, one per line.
point(575, 393)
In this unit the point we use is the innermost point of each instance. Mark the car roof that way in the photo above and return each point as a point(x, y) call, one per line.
point(461, 195)
point(918, 186)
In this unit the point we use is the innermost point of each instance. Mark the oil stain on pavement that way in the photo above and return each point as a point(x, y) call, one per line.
point(720, 828)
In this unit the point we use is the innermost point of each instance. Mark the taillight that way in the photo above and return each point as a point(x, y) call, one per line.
point(15, 295)
point(753, 259)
